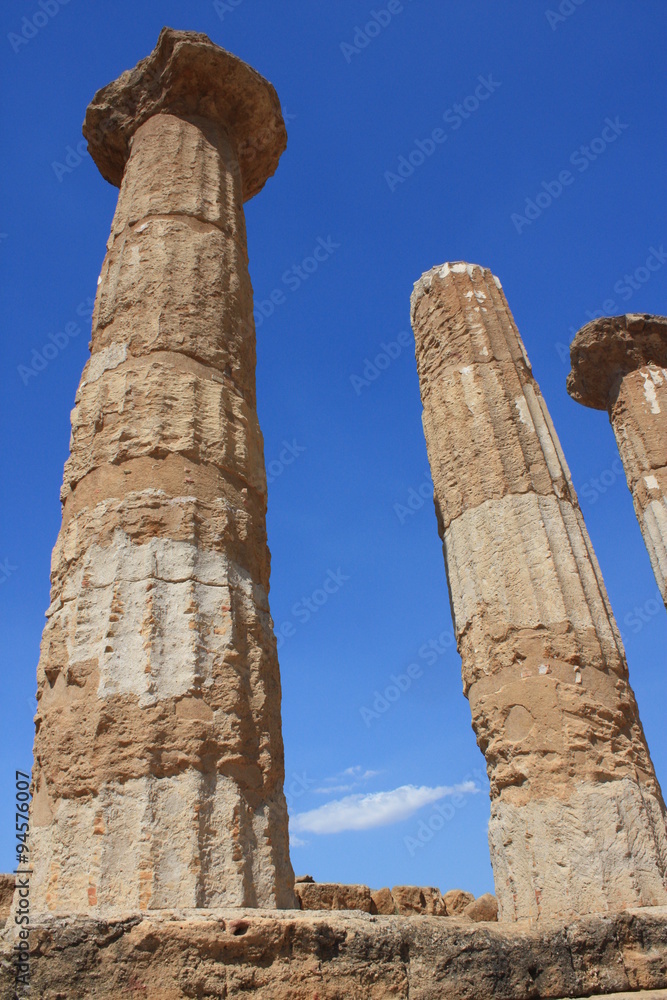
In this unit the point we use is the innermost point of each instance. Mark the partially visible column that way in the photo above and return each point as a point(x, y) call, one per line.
point(577, 816)
point(619, 364)
point(158, 749)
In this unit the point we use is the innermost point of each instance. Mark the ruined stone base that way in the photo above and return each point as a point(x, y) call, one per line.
point(312, 955)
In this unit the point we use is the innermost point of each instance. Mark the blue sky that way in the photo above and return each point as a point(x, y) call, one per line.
point(349, 498)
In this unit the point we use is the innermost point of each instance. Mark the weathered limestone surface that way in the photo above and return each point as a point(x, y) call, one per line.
point(482, 909)
point(188, 76)
point(333, 896)
point(413, 899)
point(403, 900)
point(577, 817)
point(158, 751)
point(619, 364)
point(6, 895)
point(294, 955)
point(456, 901)
point(383, 901)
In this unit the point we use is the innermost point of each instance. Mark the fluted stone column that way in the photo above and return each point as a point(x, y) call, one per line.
point(158, 751)
point(619, 364)
point(577, 816)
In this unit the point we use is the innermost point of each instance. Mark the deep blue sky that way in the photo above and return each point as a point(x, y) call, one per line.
point(352, 115)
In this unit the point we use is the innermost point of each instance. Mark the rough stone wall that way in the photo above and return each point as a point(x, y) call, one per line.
point(292, 955)
point(577, 816)
point(403, 900)
point(158, 750)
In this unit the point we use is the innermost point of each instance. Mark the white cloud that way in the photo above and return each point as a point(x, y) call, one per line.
point(334, 789)
point(362, 812)
point(355, 776)
point(358, 772)
point(297, 842)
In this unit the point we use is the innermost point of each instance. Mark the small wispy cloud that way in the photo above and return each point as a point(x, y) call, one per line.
point(333, 789)
point(346, 781)
point(297, 841)
point(362, 812)
point(358, 772)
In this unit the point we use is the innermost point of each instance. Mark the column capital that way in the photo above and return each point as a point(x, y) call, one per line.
point(187, 75)
point(606, 349)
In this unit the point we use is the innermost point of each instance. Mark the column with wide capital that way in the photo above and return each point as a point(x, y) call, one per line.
point(158, 751)
point(577, 816)
point(619, 364)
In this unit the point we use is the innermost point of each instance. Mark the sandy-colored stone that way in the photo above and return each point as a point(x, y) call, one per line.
point(383, 901)
point(184, 151)
point(456, 901)
point(639, 995)
point(619, 363)
point(486, 417)
point(186, 409)
point(607, 349)
point(333, 896)
point(158, 778)
point(483, 908)
point(305, 955)
point(208, 510)
point(577, 816)
point(413, 899)
point(176, 284)
point(187, 76)
point(6, 895)
point(406, 900)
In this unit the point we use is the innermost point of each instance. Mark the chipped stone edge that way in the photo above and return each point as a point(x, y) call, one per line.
point(423, 284)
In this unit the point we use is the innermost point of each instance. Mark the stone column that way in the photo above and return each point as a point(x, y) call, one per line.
point(577, 816)
point(159, 767)
point(619, 364)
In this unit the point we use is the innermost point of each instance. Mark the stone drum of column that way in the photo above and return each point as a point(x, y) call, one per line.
point(158, 778)
point(577, 816)
point(619, 364)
